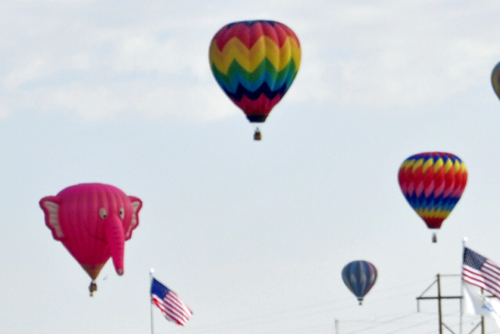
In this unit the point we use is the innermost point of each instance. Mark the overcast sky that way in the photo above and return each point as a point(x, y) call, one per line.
point(252, 235)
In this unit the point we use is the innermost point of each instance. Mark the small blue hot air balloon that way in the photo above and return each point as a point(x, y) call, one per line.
point(359, 277)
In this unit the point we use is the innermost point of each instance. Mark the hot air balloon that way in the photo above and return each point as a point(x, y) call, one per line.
point(92, 221)
point(255, 62)
point(359, 277)
point(495, 79)
point(432, 183)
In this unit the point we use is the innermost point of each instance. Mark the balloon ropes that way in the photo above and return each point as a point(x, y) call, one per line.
point(433, 183)
point(92, 221)
point(255, 63)
point(359, 277)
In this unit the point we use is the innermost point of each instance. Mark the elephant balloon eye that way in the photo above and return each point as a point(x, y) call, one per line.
point(103, 213)
point(122, 213)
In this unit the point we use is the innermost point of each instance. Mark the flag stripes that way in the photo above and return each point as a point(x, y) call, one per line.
point(481, 272)
point(169, 303)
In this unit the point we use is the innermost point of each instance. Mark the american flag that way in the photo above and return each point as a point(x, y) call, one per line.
point(481, 272)
point(169, 303)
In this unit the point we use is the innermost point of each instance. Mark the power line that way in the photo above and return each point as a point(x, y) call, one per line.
point(313, 310)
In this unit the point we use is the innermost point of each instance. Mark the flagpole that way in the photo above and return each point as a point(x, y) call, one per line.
point(482, 316)
point(464, 240)
point(151, 271)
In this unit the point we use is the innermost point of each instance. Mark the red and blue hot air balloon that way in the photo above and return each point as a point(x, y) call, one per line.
point(359, 277)
point(255, 63)
point(433, 183)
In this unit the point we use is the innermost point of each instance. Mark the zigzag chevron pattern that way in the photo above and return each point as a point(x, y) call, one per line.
point(255, 63)
point(433, 183)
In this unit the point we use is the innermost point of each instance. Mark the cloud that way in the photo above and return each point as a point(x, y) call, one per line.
point(400, 54)
point(4, 112)
point(139, 99)
point(97, 60)
point(30, 71)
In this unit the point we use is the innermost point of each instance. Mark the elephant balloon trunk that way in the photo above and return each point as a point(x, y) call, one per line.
point(115, 237)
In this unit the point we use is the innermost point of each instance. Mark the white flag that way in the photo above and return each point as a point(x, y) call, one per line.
point(475, 303)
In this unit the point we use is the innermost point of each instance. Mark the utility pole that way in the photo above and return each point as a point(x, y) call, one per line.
point(440, 297)
point(336, 326)
point(439, 304)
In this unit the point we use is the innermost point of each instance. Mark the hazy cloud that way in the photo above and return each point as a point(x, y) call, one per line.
point(98, 60)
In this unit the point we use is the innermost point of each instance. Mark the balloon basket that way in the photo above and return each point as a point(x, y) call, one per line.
point(257, 135)
point(92, 288)
point(434, 238)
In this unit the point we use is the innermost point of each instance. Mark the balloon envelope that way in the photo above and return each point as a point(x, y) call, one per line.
point(92, 221)
point(255, 62)
point(433, 183)
point(359, 277)
point(495, 79)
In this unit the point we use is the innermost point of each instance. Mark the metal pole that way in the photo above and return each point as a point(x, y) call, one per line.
point(336, 326)
point(151, 271)
point(439, 305)
point(464, 240)
point(482, 317)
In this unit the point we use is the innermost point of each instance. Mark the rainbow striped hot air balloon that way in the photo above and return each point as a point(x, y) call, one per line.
point(495, 79)
point(255, 63)
point(432, 183)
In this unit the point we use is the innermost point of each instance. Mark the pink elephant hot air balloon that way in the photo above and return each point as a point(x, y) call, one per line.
point(93, 221)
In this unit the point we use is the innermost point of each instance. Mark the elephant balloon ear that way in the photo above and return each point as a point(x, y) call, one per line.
point(136, 207)
point(50, 206)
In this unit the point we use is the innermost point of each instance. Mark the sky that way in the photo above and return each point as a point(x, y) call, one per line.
point(252, 236)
